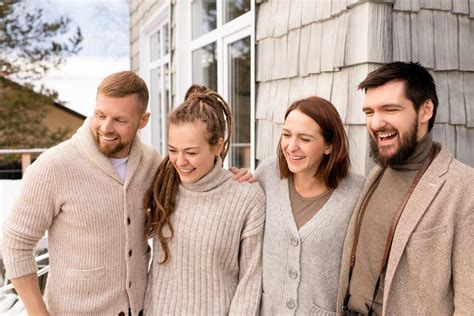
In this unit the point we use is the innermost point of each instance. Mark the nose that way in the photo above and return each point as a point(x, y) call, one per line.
point(377, 122)
point(292, 144)
point(107, 127)
point(181, 160)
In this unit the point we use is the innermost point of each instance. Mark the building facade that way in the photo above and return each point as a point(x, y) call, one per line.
point(263, 55)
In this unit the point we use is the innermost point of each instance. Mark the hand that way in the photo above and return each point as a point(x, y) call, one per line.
point(242, 175)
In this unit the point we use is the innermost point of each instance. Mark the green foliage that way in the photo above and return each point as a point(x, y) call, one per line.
point(30, 43)
point(26, 110)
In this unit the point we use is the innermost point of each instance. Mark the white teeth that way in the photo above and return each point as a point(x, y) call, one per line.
point(186, 171)
point(384, 135)
point(296, 157)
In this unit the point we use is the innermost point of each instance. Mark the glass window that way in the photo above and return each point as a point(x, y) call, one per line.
point(235, 8)
point(205, 66)
point(156, 108)
point(239, 100)
point(166, 39)
point(204, 17)
point(155, 47)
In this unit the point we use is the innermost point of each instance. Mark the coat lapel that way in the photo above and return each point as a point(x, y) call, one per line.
point(133, 160)
point(425, 192)
point(85, 142)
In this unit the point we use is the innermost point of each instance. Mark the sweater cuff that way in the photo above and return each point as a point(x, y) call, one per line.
point(20, 268)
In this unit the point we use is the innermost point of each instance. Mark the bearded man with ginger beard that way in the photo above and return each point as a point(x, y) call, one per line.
point(408, 246)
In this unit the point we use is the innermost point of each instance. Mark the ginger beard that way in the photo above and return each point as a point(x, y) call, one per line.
point(110, 144)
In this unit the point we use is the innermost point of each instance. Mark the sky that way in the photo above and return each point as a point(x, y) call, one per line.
point(105, 49)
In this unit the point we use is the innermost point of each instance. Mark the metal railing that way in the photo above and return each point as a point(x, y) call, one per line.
point(25, 155)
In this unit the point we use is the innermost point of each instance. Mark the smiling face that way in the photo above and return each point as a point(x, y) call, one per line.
point(303, 144)
point(190, 152)
point(392, 122)
point(115, 123)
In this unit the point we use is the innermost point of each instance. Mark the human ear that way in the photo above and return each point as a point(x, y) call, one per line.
point(328, 149)
point(144, 120)
point(219, 147)
point(425, 112)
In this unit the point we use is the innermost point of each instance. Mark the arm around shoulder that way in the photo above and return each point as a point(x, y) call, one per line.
point(246, 300)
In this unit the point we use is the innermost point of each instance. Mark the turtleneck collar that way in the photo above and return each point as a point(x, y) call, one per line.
point(415, 161)
point(211, 180)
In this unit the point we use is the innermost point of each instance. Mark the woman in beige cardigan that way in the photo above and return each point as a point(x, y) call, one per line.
point(310, 195)
point(207, 228)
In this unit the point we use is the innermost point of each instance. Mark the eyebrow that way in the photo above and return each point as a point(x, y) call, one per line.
point(299, 134)
point(388, 105)
point(188, 148)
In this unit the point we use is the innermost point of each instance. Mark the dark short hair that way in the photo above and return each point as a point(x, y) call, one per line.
point(419, 84)
point(335, 166)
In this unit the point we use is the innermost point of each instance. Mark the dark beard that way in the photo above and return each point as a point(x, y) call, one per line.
point(407, 149)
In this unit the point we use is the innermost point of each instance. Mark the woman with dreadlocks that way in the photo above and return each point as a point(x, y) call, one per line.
point(207, 228)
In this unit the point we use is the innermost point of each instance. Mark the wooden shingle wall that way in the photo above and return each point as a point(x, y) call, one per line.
point(327, 47)
point(440, 35)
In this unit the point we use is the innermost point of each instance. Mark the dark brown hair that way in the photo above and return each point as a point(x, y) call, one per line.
point(200, 104)
point(335, 166)
point(419, 84)
point(125, 83)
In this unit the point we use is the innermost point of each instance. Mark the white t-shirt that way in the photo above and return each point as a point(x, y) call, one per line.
point(120, 164)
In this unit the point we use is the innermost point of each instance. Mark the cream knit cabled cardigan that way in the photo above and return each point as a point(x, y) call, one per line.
point(215, 255)
point(301, 267)
point(95, 223)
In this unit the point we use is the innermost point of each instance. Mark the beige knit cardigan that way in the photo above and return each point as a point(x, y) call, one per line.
point(215, 255)
point(95, 224)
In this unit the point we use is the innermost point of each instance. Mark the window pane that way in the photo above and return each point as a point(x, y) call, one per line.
point(205, 66)
point(204, 17)
point(166, 39)
point(155, 52)
point(239, 100)
point(235, 8)
point(155, 101)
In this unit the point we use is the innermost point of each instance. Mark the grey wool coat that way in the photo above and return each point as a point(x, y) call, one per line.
point(430, 270)
point(301, 267)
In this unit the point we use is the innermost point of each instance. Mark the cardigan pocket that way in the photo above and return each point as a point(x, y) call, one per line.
point(318, 311)
point(85, 274)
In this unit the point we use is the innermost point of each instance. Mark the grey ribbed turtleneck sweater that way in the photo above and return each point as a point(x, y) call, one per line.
point(215, 255)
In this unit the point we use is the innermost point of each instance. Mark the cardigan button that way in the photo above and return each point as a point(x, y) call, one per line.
point(294, 241)
point(293, 273)
point(130, 253)
point(291, 304)
point(121, 314)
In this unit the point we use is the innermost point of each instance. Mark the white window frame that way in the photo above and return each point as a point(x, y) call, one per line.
point(160, 18)
point(224, 35)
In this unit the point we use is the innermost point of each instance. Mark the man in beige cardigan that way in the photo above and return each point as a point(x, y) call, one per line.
point(409, 251)
point(87, 193)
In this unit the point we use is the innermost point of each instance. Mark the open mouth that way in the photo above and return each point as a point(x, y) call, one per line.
point(295, 157)
point(186, 171)
point(385, 137)
point(108, 138)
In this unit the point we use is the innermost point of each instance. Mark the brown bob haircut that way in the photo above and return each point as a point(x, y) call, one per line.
point(335, 166)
